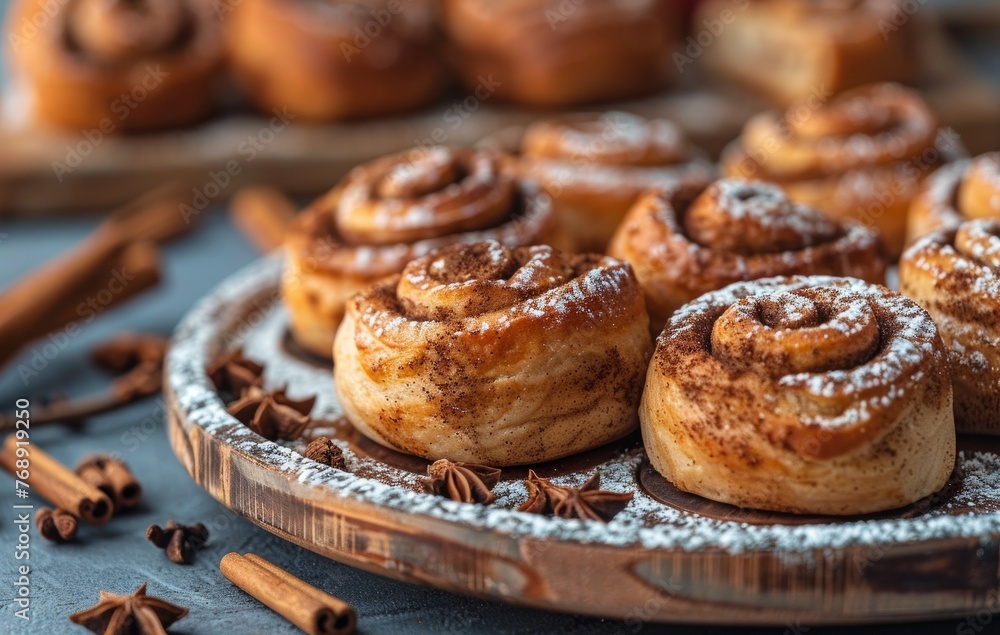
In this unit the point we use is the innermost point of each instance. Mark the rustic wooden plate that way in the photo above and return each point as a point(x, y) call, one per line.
point(668, 556)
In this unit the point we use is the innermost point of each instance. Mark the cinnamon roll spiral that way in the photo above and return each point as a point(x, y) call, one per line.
point(484, 354)
point(596, 166)
point(335, 59)
point(117, 65)
point(862, 155)
point(806, 395)
point(683, 243)
point(390, 211)
point(788, 49)
point(955, 275)
point(960, 191)
point(551, 53)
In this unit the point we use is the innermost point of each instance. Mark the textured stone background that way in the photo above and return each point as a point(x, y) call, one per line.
point(117, 557)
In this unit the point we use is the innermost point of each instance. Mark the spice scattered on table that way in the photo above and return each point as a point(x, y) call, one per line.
point(312, 610)
point(586, 502)
point(323, 450)
point(57, 525)
point(113, 477)
point(135, 614)
point(179, 541)
point(463, 482)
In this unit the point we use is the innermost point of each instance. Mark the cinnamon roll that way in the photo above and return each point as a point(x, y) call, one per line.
point(595, 167)
point(390, 211)
point(810, 395)
point(786, 50)
point(484, 354)
point(960, 191)
point(552, 53)
point(116, 65)
point(862, 155)
point(683, 243)
point(335, 59)
point(955, 275)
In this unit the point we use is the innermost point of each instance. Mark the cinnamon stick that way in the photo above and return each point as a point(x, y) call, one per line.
point(303, 605)
point(264, 215)
point(111, 476)
point(55, 482)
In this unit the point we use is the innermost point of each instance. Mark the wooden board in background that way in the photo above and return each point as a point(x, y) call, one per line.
point(309, 159)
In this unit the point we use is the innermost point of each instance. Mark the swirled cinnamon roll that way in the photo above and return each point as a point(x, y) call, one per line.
point(116, 65)
point(484, 354)
point(955, 275)
point(788, 50)
point(390, 211)
point(960, 191)
point(683, 243)
point(335, 59)
point(595, 167)
point(862, 155)
point(552, 53)
point(809, 395)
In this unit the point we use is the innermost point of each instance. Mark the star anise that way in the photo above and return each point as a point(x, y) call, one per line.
point(179, 541)
point(272, 414)
point(137, 360)
point(463, 482)
point(586, 502)
point(135, 614)
point(323, 450)
point(233, 373)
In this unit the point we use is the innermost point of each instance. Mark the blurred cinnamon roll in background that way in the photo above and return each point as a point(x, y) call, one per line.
point(810, 395)
point(595, 167)
point(788, 50)
point(684, 242)
point(955, 275)
point(553, 53)
point(335, 59)
point(390, 211)
point(860, 156)
point(485, 354)
point(117, 65)
point(963, 190)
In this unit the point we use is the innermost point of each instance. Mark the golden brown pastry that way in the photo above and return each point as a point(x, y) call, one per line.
point(553, 53)
point(955, 275)
point(960, 191)
point(335, 59)
point(390, 211)
point(810, 395)
point(684, 242)
point(861, 156)
point(791, 50)
point(484, 354)
point(112, 66)
point(595, 167)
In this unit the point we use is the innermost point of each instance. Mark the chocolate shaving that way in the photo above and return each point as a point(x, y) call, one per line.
point(56, 525)
point(323, 450)
point(463, 482)
point(272, 414)
point(586, 502)
point(135, 614)
point(179, 541)
point(233, 373)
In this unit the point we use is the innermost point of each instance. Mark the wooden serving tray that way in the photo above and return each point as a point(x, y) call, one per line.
point(669, 556)
point(214, 159)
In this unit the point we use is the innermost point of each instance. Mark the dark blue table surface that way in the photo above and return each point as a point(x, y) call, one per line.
point(117, 557)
